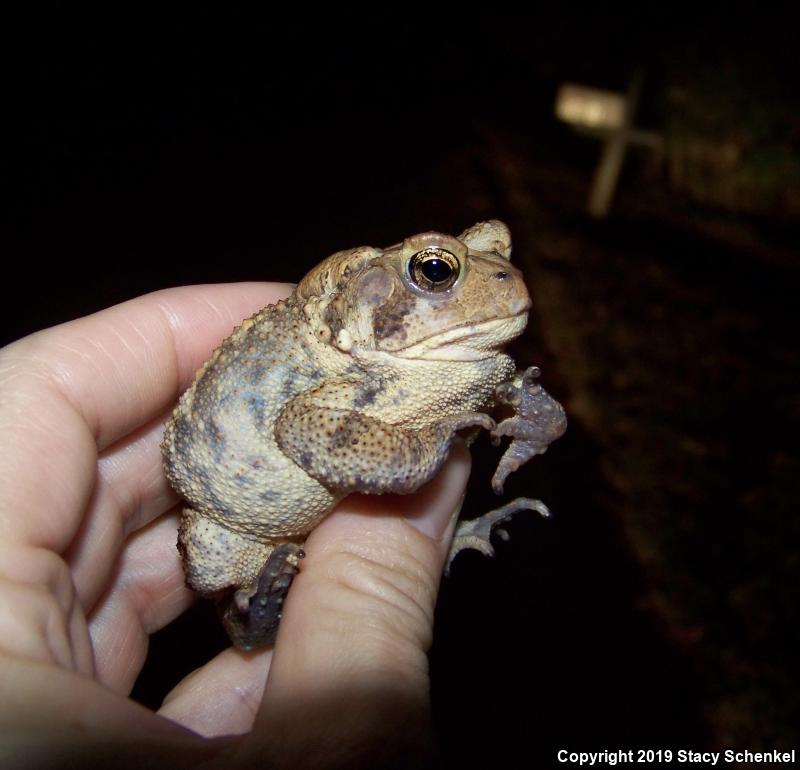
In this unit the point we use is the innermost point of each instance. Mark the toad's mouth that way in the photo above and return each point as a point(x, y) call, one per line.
point(469, 342)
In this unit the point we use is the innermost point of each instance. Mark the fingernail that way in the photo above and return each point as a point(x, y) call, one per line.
point(436, 505)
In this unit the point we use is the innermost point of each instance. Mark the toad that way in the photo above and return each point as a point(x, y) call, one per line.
point(358, 382)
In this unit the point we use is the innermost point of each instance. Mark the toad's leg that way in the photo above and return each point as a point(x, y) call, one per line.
point(538, 420)
point(476, 533)
point(216, 559)
point(351, 452)
point(252, 614)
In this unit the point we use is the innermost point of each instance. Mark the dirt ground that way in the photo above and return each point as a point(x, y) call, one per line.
point(661, 605)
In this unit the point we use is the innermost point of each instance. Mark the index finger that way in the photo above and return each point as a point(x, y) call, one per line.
point(123, 366)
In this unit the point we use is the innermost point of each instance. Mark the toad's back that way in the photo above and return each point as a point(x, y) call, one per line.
point(219, 447)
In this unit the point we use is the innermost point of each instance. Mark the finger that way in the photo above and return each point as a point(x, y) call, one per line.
point(122, 366)
point(222, 697)
point(351, 648)
point(85, 384)
point(148, 592)
point(40, 617)
point(56, 718)
point(131, 490)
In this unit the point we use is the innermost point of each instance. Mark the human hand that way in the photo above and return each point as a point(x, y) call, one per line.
point(89, 569)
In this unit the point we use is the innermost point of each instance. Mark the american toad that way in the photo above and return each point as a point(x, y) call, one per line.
point(358, 382)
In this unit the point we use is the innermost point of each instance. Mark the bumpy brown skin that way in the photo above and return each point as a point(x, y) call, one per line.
point(356, 383)
point(537, 422)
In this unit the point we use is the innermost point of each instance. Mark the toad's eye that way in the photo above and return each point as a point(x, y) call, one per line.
point(434, 269)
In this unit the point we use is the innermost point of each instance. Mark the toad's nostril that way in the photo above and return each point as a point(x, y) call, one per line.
point(521, 304)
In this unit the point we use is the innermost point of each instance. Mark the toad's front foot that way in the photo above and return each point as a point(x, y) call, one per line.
point(252, 615)
point(538, 421)
point(476, 533)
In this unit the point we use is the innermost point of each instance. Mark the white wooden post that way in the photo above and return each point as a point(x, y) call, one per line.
point(609, 116)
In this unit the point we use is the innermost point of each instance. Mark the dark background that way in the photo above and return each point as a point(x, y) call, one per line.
point(152, 148)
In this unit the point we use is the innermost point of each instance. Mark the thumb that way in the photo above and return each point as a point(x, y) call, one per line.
point(349, 675)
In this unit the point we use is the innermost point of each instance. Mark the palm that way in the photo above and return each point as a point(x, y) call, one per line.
point(94, 519)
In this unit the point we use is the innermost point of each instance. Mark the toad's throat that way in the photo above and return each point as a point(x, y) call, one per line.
point(468, 342)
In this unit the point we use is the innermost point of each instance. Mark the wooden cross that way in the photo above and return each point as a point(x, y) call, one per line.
point(609, 116)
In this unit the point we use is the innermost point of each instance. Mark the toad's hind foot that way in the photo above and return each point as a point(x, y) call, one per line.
point(476, 533)
point(251, 615)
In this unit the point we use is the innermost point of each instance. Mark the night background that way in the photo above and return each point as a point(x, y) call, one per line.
point(659, 608)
